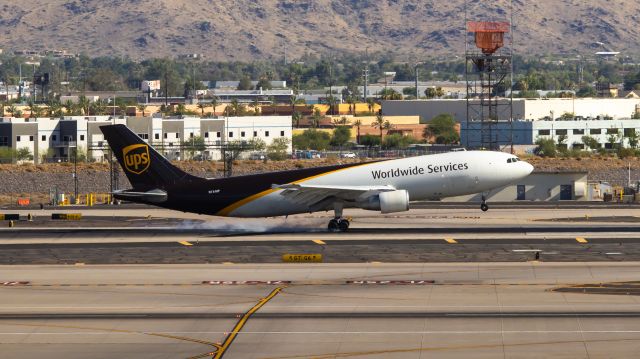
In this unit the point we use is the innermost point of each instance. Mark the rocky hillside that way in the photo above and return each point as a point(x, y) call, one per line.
point(258, 29)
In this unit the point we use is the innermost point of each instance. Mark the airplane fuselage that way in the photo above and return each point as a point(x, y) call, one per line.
point(428, 177)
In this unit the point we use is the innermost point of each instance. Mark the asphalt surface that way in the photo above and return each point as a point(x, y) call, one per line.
point(508, 310)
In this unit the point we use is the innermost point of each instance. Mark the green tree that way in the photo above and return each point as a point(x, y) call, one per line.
point(590, 142)
point(632, 138)
point(567, 116)
point(245, 84)
point(370, 104)
point(315, 118)
point(295, 118)
point(430, 93)
point(24, 154)
point(202, 106)
point(257, 144)
point(194, 145)
point(312, 139)
point(341, 135)
point(546, 147)
point(370, 140)
point(442, 129)
point(264, 83)
point(277, 150)
point(398, 141)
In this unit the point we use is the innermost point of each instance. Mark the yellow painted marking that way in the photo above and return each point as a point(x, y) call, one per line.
point(581, 240)
point(241, 323)
point(185, 243)
point(227, 210)
point(451, 240)
point(319, 241)
point(227, 263)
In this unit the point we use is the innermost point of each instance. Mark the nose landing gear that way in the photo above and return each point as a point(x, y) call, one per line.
point(484, 206)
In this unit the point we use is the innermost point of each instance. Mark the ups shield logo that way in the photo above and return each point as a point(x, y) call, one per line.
point(136, 158)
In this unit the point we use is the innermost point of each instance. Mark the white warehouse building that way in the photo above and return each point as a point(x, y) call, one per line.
point(53, 139)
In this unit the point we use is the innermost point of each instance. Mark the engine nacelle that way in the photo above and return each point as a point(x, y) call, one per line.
point(387, 202)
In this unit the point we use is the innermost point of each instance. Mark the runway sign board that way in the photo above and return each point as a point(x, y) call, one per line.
point(302, 258)
point(67, 216)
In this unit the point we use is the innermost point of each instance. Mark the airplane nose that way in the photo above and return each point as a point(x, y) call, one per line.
point(528, 168)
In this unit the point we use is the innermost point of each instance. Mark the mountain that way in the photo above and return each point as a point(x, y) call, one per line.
point(259, 29)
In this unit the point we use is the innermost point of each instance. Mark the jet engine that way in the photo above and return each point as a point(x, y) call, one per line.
point(387, 202)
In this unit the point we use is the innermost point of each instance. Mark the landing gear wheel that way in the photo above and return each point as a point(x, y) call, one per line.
point(343, 225)
point(338, 225)
point(334, 226)
point(484, 207)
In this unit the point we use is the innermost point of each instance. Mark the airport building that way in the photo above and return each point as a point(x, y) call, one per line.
point(53, 140)
point(545, 187)
point(523, 109)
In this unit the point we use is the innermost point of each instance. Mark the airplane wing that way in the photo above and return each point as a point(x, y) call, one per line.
point(315, 195)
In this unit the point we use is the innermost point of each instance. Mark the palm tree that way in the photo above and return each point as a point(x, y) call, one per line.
point(296, 117)
point(315, 119)
point(202, 106)
point(12, 110)
point(352, 104)
point(235, 107)
point(142, 108)
point(214, 104)
point(357, 123)
point(370, 103)
point(83, 103)
point(381, 124)
point(340, 122)
point(292, 100)
point(69, 107)
point(55, 109)
point(100, 107)
point(31, 106)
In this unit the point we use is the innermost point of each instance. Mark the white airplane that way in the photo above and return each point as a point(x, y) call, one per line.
point(386, 186)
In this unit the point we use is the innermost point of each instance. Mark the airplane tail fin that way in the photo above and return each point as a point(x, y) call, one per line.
point(145, 168)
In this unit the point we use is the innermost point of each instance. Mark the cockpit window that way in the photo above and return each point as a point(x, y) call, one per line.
point(513, 160)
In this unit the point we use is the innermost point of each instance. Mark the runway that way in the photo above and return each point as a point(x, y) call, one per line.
point(434, 283)
point(321, 311)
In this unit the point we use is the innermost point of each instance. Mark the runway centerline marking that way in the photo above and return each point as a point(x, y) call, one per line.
point(451, 240)
point(185, 243)
point(319, 241)
point(581, 240)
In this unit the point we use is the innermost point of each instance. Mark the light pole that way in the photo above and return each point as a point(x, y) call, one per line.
point(417, 76)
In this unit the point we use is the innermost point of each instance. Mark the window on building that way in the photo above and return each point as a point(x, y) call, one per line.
point(242, 134)
point(54, 138)
point(578, 132)
point(31, 138)
point(612, 131)
point(561, 132)
point(218, 134)
point(206, 135)
point(157, 136)
point(177, 134)
point(4, 141)
point(81, 137)
point(44, 137)
point(578, 146)
point(544, 132)
point(255, 133)
point(266, 133)
point(230, 134)
point(629, 132)
point(144, 136)
point(281, 133)
point(17, 138)
point(67, 138)
point(595, 131)
point(608, 146)
point(191, 135)
point(165, 135)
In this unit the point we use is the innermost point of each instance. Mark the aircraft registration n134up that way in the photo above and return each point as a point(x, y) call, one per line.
point(386, 186)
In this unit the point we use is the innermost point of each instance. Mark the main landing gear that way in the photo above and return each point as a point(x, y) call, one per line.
point(484, 206)
point(338, 224)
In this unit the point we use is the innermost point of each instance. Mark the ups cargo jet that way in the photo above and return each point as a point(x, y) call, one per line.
point(386, 186)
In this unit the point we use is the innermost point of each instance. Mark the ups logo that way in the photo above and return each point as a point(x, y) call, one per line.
point(136, 158)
